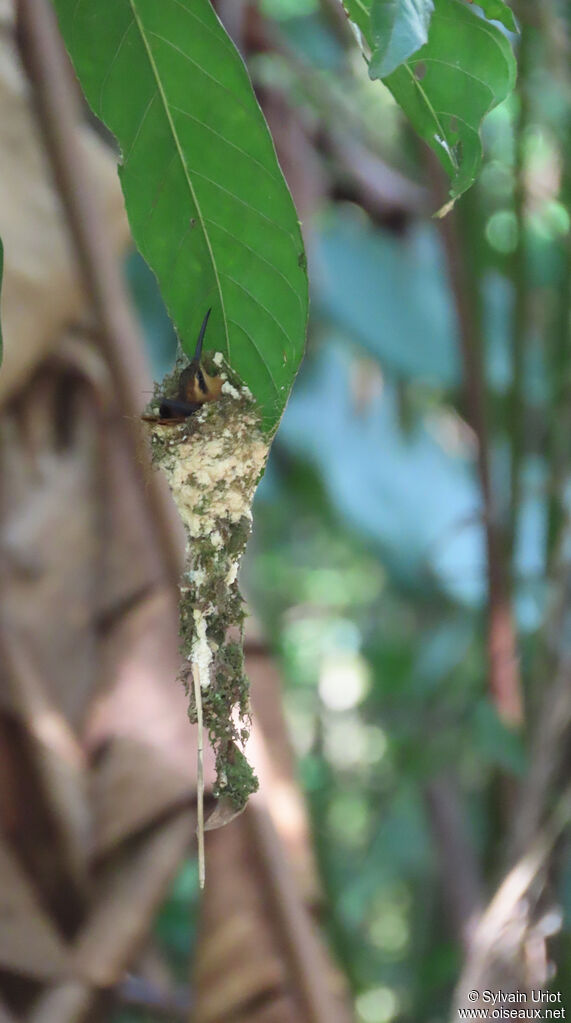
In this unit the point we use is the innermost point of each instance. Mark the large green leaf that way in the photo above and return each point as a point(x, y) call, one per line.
point(446, 89)
point(398, 29)
point(207, 202)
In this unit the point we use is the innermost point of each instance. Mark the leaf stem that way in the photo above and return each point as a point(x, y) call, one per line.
point(160, 90)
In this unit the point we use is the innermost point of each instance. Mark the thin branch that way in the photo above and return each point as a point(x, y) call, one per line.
point(550, 752)
point(460, 872)
point(504, 680)
point(55, 95)
point(340, 117)
point(305, 952)
point(338, 22)
point(508, 950)
point(232, 14)
point(559, 425)
point(517, 403)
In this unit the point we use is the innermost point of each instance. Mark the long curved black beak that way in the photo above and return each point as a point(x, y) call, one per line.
point(198, 350)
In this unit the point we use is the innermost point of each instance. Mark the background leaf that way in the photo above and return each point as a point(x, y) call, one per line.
point(497, 10)
point(398, 28)
point(389, 295)
point(207, 203)
point(379, 494)
point(464, 71)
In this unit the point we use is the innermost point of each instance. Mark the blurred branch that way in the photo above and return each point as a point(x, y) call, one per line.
point(559, 425)
point(520, 319)
point(337, 20)
point(258, 953)
point(504, 680)
point(233, 15)
point(364, 178)
point(461, 882)
point(309, 963)
point(549, 767)
point(55, 92)
point(344, 134)
point(508, 949)
point(129, 890)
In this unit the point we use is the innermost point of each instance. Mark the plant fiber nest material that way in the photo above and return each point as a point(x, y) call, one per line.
point(213, 461)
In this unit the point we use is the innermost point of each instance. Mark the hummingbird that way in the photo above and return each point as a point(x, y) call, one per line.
point(195, 387)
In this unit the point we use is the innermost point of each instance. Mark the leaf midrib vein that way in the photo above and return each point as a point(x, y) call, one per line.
point(164, 102)
point(422, 92)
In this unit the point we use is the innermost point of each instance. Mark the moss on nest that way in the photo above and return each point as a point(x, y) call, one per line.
point(213, 461)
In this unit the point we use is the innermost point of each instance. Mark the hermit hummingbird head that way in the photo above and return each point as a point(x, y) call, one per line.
point(195, 385)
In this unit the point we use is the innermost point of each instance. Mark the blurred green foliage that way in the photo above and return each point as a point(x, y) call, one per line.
point(366, 566)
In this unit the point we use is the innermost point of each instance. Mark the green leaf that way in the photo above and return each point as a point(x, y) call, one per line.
point(1, 275)
point(497, 10)
point(360, 13)
point(398, 29)
point(207, 203)
point(465, 69)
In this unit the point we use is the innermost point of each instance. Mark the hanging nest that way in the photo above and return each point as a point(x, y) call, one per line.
point(213, 461)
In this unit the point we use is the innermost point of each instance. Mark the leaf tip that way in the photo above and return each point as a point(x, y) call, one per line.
point(445, 210)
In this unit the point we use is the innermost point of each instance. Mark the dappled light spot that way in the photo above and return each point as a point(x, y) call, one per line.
point(501, 231)
point(379, 1005)
point(343, 681)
